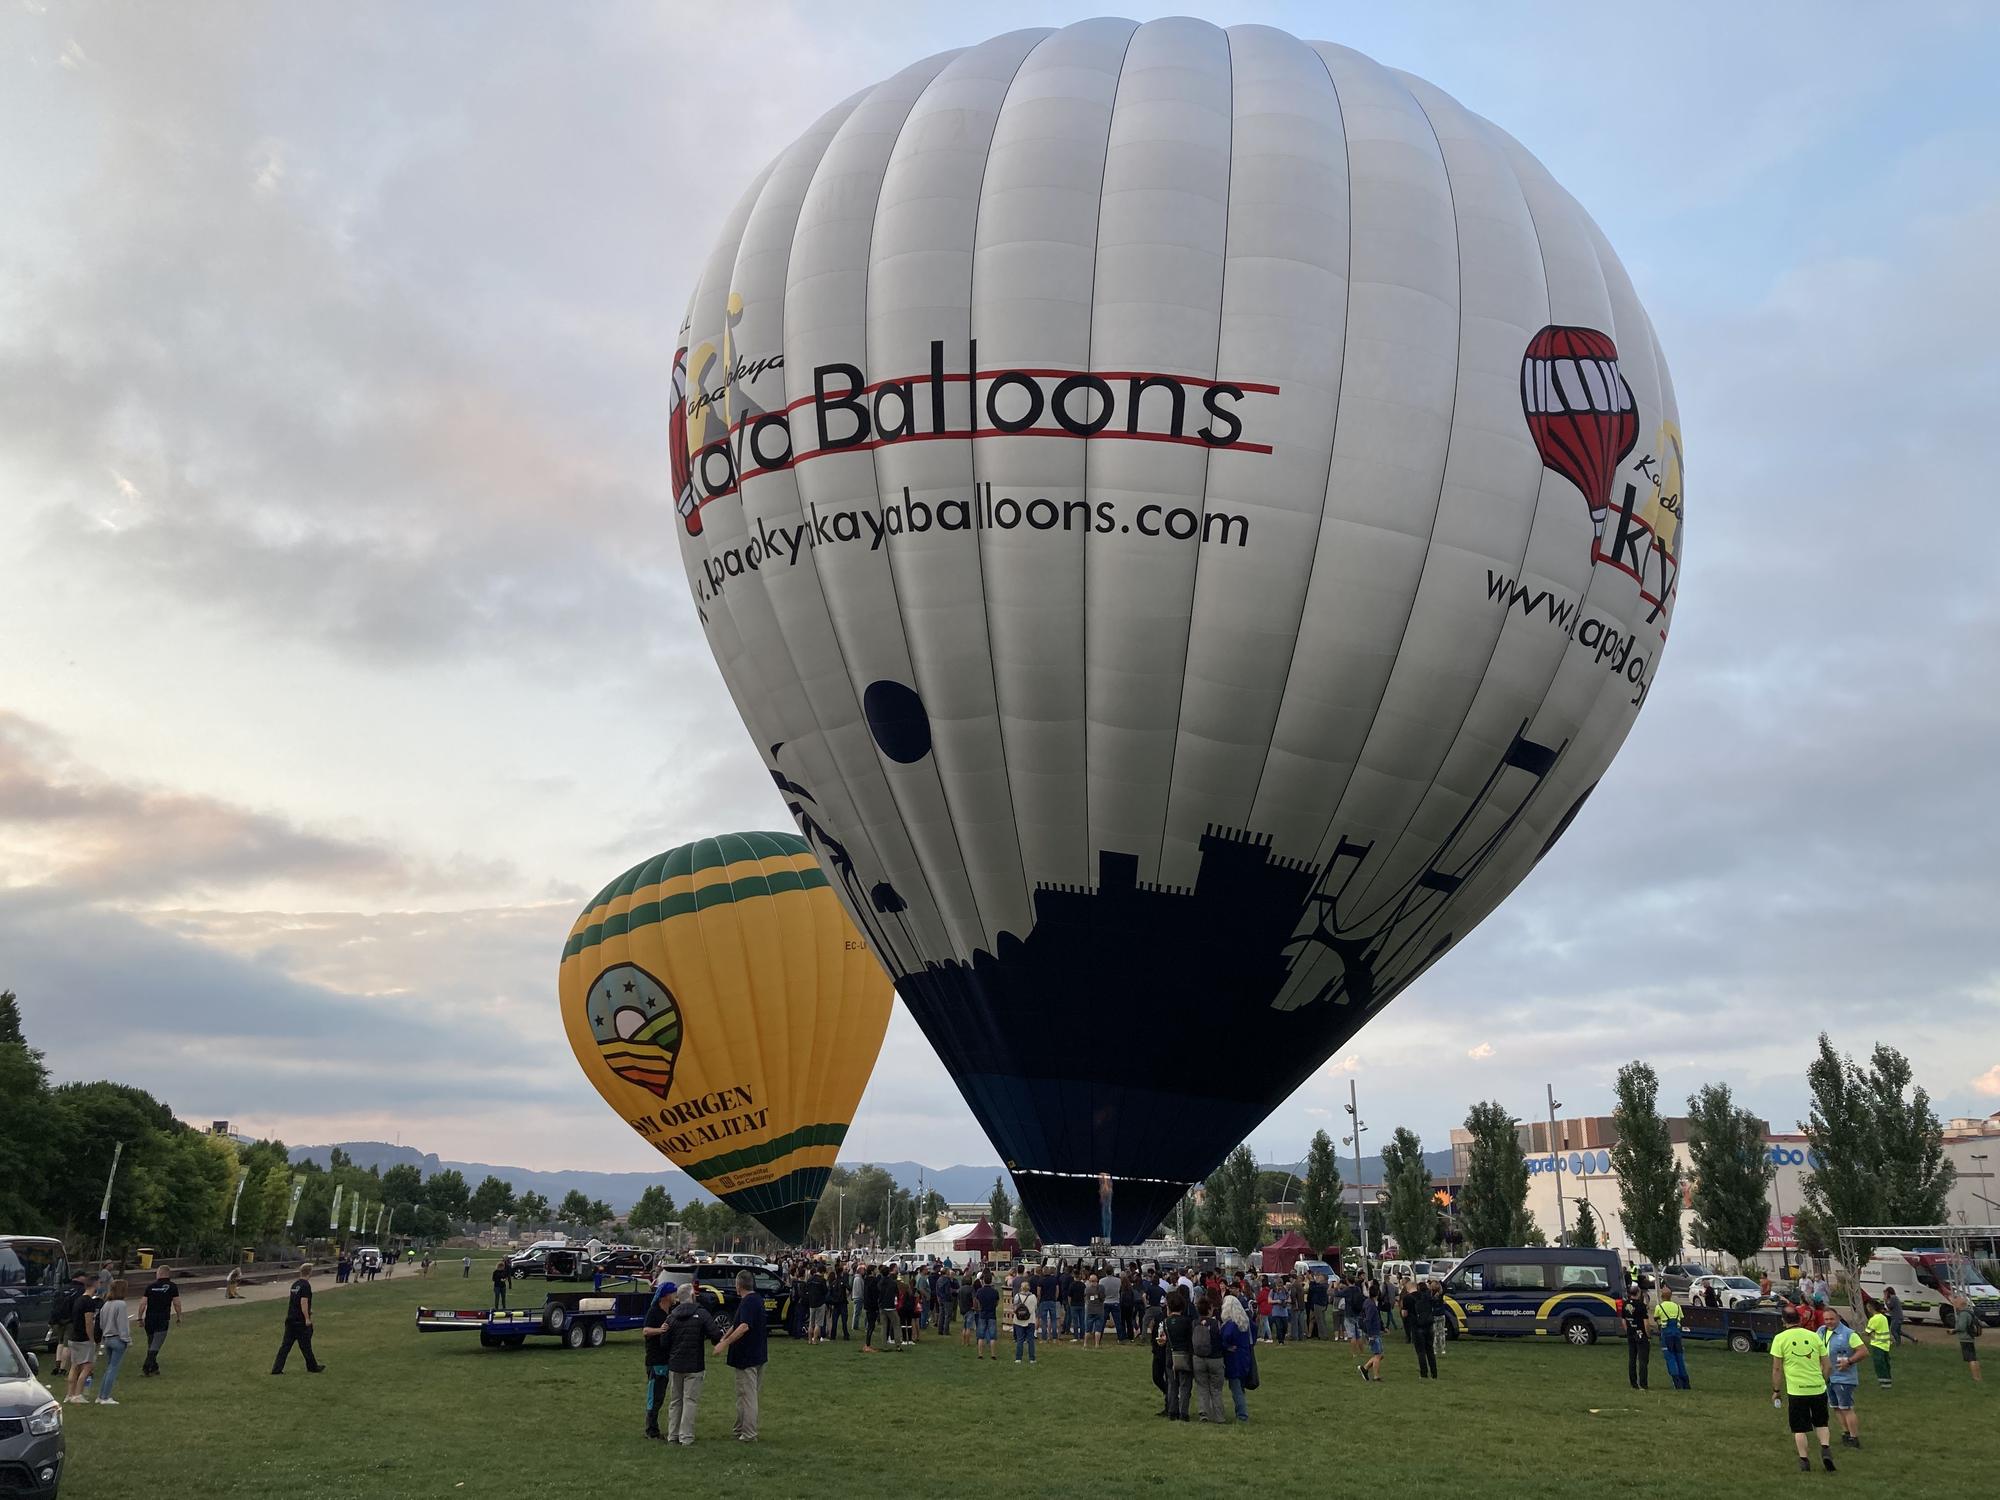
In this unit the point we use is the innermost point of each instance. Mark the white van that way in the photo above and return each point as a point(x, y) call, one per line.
point(1892, 1268)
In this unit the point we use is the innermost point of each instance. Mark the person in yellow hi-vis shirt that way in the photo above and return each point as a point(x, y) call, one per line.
point(1799, 1371)
point(1878, 1336)
point(1668, 1312)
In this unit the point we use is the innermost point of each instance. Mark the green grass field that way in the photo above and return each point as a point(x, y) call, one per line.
point(399, 1414)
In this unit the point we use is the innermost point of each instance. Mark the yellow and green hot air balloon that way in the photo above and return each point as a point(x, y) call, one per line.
point(722, 1002)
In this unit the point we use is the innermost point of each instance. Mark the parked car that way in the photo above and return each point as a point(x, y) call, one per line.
point(1677, 1277)
point(622, 1260)
point(717, 1283)
point(31, 1426)
point(1730, 1291)
point(33, 1269)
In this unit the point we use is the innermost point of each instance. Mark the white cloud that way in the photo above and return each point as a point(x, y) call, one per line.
point(379, 392)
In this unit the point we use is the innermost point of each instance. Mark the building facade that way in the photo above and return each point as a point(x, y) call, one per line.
point(1572, 1165)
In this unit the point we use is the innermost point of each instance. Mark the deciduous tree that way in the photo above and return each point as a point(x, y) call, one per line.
point(1412, 1214)
point(1493, 1203)
point(1732, 1173)
point(1649, 1179)
point(1319, 1195)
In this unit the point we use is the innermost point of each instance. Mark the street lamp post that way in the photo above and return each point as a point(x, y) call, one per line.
point(1360, 1204)
point(840, 1218)
point(1562, 1219)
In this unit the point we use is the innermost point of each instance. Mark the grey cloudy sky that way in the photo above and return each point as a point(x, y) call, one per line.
point(343, 650)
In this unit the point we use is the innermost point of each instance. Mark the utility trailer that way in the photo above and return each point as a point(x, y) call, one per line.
point(576, 1319)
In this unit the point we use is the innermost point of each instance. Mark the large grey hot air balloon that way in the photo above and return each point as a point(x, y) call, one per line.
point(1187, 516)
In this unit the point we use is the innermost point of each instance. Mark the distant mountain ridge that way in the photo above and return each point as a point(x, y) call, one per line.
point(958, 1184)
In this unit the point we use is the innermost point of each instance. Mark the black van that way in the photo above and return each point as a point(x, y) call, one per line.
point(32, 1271)
point(1528, 1289)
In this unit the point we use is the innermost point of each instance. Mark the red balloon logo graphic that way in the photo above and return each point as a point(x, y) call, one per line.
point(1579, 409)
point(680, 467)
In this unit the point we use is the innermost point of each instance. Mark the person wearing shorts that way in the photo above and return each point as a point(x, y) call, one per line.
point(1965, 1323)
point(1799, 1371)
point(1844, 1353)
point(1371, 1330)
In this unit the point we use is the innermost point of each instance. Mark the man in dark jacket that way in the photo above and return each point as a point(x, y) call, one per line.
point(1421, 1313)
point(653, 1343)
point(886, 1295)
point(690, 1329)
point(871, 1307)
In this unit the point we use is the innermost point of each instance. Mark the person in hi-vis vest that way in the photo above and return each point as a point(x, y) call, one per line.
point(1667, 1313)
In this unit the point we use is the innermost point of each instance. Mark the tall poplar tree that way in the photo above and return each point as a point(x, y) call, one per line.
point(1732, 1173)
point(1412, 1214)
point(1319, 1196)
point(1493, 1203)
point(1649, 1179)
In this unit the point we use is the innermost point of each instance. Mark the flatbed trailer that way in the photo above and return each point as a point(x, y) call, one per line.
point(577, 1320)
point(1746, 1329)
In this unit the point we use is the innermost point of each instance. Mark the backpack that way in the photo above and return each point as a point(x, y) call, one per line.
point(1207, 1339)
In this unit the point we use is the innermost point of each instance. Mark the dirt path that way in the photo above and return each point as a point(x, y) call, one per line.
point(323, 1284)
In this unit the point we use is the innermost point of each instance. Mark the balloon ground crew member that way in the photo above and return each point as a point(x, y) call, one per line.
point(1799, 1372)
point(748, 1350)
point(1844, 1353)
point(691, 1328)
point(653, 1343)
point(1667, 1313)
point(1879, 1338)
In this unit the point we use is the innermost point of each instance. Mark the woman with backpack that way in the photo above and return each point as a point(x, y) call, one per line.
point(1205, 1345)
point(1239, 1352)
point(1022, 1321)
point(1177, 1334)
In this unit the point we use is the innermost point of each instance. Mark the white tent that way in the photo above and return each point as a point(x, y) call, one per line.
point(939, 1243)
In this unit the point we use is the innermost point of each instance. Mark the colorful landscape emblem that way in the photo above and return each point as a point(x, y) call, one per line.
point(637, 1026)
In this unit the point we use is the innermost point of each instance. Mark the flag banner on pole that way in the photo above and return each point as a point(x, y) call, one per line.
point(333, 1219)
point(298, 1189)
point(104, 1208)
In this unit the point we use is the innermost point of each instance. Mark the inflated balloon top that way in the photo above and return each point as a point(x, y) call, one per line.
point(723, 1004)
point(1187, 516)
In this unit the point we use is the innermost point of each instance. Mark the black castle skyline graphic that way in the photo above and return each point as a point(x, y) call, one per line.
point(1138, 1031)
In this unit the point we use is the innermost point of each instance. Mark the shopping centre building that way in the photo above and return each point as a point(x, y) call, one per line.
point(1570, 1163)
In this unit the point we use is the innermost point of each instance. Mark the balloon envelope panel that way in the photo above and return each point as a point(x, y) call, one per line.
point(721, 1001)
point(1187, 516)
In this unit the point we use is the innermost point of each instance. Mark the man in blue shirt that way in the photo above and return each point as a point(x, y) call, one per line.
point(986, 1315)
point(1845, 1351)
point(748, 1347)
